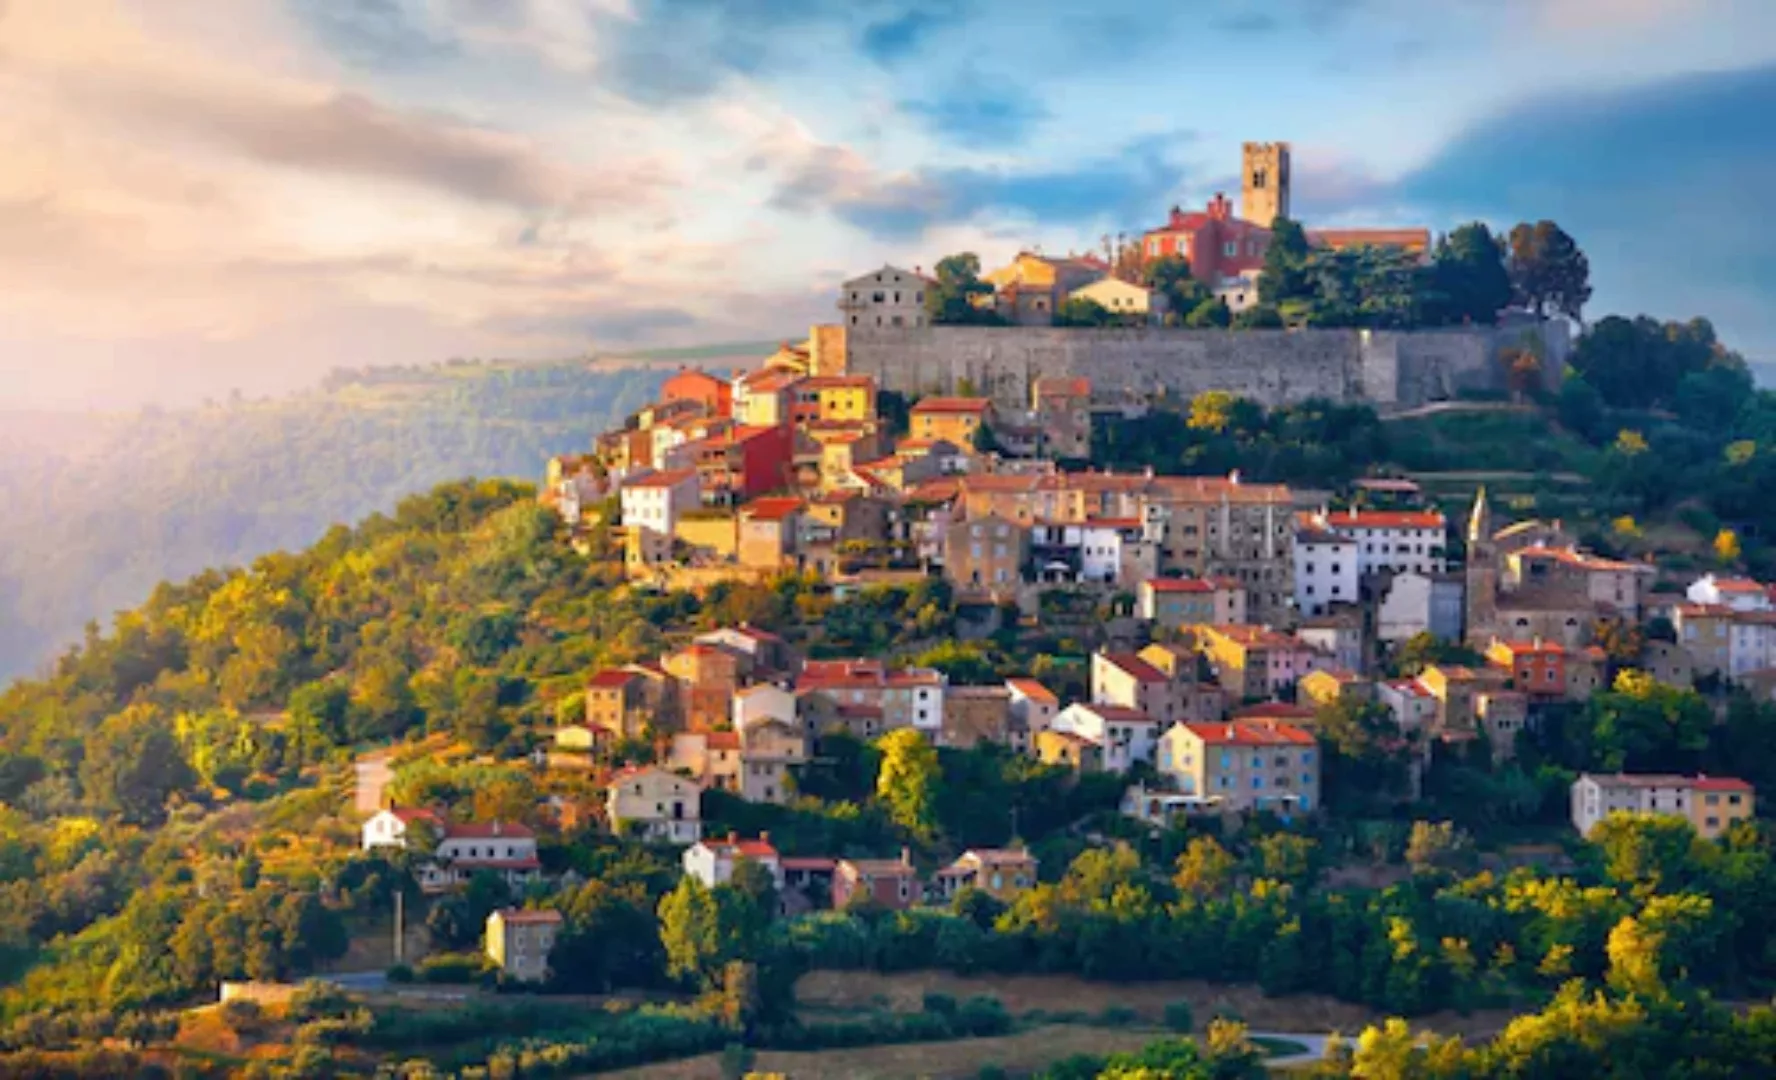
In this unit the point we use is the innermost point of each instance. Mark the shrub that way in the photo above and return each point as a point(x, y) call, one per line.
point(984, 1014)
point(1178, 1016)
point(941, 1004)
point(992, 1072)
point(451, 968)
point(242, 1017)
point(314, 1000)
point(1118, 1016)
point(400, 973)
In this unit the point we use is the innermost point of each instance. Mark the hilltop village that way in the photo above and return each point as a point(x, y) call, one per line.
point(1255, 632)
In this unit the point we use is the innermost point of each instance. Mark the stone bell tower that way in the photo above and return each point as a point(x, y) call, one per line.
point(1482, 575)
point(1264, 182)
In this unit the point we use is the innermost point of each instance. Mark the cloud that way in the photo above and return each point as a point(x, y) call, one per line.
point(897, 38)
point(1666, 184)
point(621, 325)
point(979, 112)
point(1121, 186)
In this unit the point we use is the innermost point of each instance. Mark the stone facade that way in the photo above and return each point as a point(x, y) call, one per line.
point(1273, 367)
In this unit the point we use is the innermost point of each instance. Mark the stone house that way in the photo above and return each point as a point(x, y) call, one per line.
point(986, 553)
point(975, 714)
point(655, 804)
point(1002, 873)
point(707, 678)
point(520, 942)
point(888, 883)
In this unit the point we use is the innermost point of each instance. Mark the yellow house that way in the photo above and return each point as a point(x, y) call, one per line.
point(1118, 297)
point(842, 397)
point(1719, 803)
point(953, 419)
point(1073, 751)
point(1330, 687)
point(520, 941)
point(1003, 873)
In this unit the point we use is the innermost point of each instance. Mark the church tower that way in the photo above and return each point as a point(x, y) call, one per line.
point(1264, 182)
point(1482, 575)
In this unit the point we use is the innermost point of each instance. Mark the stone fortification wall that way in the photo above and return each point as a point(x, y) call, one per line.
point(1275, 367)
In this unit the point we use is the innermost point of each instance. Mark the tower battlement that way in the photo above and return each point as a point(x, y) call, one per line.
point(1264, 182)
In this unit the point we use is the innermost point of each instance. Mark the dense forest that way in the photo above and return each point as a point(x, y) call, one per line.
point(102, 507)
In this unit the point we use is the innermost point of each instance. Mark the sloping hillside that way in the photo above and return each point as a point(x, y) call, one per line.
point(101, 507)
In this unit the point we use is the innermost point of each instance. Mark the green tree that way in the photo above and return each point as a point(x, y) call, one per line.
point(907, 782)
point(1258, 317)
point(1209, 314)
point(952, 298)
point(1204, 869)
point(134, 764)
point(1469, 276)
point(1284, 277)
point(691, 932)
point(1549, 274)
point(1083, 311)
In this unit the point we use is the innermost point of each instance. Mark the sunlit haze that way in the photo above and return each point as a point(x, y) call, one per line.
point(206, 195)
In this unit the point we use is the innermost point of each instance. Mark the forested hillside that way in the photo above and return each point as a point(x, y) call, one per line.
point(101, 507)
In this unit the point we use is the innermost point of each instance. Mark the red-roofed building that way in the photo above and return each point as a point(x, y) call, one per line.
point(1412, 241)
point(1254, 662)
point(907, 697)
point(1167, 693)
point(1712, 804)
point(1395, 540)
point(1243, 764)
point(888, 883)
point(768, 531)
point(1126, 735)
point(713, 861)
point(1740, 594)
point(715, 395)
point(463, 849)
point(1218, 245)
point(1537, 668)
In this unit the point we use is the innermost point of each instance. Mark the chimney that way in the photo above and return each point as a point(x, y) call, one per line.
point(733, 837)
point(765, 837)
point(906, 856)
point(496, 828)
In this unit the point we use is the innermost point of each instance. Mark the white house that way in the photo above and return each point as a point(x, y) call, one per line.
point(1127, 735)
point(656, 500)
point(1117, 550)
point(766, 701)
point(1326, 570)
point(1740, 594)
point(884, 298)
point(712, 861)
point(1413, 705)
point(463, 850)
point(388, 827)
point(1398, 540)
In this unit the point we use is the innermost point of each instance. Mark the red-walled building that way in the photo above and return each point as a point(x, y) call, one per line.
point(742, 464)
point(1217, 244)
point(888, 883)
point(692, 384)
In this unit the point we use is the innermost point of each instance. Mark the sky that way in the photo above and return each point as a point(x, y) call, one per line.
point(202, 196)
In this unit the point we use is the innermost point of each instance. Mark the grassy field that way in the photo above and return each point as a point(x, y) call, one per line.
point(1022, 1052)
point(1021, 994)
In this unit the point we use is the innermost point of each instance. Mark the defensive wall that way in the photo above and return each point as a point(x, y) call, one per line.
point(1397, 369)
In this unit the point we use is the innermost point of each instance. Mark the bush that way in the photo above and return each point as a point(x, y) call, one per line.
point(451, 968)
point(984, 1014)
point(1118, 1016)
point(941, 1004)
point(242, 1017)
point(992, 1072)
point(1178, 1016)
point(314, 1000)
point(400, 973)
